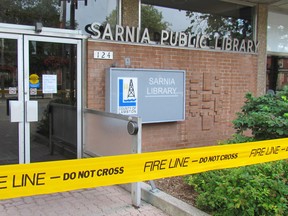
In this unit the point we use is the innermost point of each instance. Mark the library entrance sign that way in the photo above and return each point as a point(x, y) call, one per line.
point(153, 95)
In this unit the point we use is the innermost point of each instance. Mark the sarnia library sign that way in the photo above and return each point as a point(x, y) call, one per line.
point(170, 38)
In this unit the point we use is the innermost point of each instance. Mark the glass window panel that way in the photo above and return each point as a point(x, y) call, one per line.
point(99, 11)
point(29, 12)
point(277, 35)
point(57, 14)
point(9, 153)
point(56, 64)
point(198, 18)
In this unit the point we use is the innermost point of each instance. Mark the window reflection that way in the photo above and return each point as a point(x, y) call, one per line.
point(101, 11)
point(29, 12)
point(277, 32)
point(59, 14)
point(197, 18)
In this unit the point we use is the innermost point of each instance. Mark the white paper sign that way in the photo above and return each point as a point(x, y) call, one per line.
point(49, 84)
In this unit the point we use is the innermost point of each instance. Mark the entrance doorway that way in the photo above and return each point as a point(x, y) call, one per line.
point(40, 98)
point(277, 72)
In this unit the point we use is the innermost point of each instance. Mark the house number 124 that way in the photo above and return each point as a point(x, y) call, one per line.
point(103, 54)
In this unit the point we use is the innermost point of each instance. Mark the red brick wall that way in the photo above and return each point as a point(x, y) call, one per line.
point(216, 83)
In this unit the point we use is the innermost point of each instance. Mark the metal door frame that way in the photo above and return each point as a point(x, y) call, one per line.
point(21, 137)
point(26, 40)
point(23, 34)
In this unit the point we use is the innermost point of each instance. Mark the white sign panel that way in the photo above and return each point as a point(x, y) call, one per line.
point(49, 84)
point(152, 94)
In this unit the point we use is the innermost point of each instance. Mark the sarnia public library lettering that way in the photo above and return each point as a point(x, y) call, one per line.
point(170, 38)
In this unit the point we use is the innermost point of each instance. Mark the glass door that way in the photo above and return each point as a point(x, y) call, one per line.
point(40, 98)
point(11, 90)
point(52, 98)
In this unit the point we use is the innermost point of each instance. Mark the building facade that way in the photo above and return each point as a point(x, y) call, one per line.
point(216, 83)
point(66, 54)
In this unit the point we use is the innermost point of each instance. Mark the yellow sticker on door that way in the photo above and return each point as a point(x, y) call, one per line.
point(34, 81)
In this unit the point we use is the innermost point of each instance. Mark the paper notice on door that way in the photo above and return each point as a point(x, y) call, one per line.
point(49, 84)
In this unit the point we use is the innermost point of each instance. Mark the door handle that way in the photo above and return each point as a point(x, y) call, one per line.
point(16, 111)
point(31, 111)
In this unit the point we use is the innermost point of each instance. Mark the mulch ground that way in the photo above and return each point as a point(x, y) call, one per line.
point(176, 187)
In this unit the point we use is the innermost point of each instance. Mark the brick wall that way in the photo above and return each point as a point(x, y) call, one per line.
point(216, 83)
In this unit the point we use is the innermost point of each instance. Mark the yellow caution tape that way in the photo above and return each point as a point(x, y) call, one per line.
point(58, 176)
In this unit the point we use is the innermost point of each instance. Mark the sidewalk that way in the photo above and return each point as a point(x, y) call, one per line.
point(101, 201)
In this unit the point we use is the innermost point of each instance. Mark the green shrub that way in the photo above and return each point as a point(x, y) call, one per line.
point(266, 116)
point(254, 190)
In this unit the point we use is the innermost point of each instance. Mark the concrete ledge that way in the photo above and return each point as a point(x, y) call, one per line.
point(166, 202)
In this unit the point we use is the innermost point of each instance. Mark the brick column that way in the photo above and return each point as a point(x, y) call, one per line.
point(262, 17)
point(130, 13)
